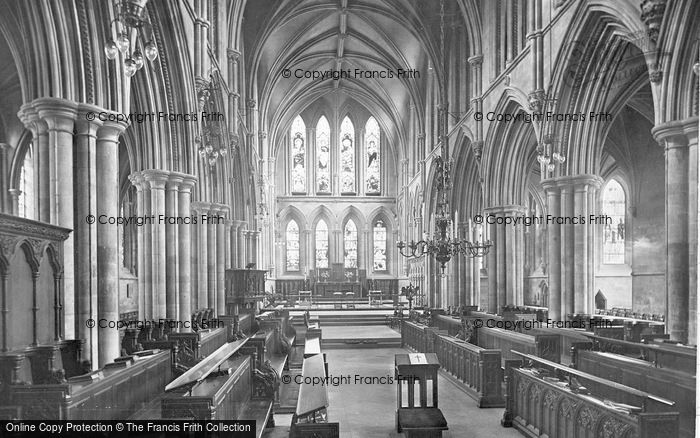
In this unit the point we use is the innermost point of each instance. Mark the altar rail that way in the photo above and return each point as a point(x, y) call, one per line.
point(545, 346)
point(673, 385)
point(478, 368)
point(120, 391)
point(544, 407)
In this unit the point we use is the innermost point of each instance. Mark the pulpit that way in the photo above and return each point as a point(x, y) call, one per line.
point(417, 412)
point(244, 287)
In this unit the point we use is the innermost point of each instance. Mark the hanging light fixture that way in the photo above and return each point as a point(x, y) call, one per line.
point(443, 246)
point(211, 144)
point(131, 18)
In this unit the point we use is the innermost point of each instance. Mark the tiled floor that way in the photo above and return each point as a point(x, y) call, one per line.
point(368, 410)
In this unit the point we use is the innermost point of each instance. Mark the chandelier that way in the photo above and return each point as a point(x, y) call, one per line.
point(443, 246)
point(131, 18)
point(549, 153)
point(211, 143)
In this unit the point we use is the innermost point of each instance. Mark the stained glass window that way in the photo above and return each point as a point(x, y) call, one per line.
point(297, 137)
point(614, 205)
point(373, 157)
point(322, 245)
point(379, 246)
point(323, 156)
point(347, 156)
point(25, 202)
point(350, 244)
point(292, 246)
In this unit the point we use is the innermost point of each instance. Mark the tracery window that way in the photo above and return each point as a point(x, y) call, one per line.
point(373, 157)
point(297, 137)
point(347, 156)
point(323, 156)
point(292, 246)
point(322, 245)
point(379, 246)
point(350, 244)
point(614, 206)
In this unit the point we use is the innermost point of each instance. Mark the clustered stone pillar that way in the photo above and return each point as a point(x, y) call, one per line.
point(163, 198)
point(505, 269)
point(680, 140)
point(76, 181)
point(571, 248)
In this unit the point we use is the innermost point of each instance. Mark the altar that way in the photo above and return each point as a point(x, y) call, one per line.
point(327, 289)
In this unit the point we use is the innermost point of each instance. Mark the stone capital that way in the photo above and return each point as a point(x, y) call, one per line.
point(505, 210)
point(156, 178)
point(110, 131)
point(677, 133)
point(233, 55)
point(475, 60)
point(59, 114)
point(187, 182)
point(566, 183)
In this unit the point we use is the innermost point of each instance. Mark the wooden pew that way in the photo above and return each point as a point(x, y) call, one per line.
point(661, 355)
point(223, 386)
point(450, 324)
point(311, 418)
point(418, 336)
point(546, 346)
point(477, 368)
point(540, 404)
point(111, 393)
point(644, 376)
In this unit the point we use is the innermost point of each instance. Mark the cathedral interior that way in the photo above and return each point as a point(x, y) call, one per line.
point(500, 196)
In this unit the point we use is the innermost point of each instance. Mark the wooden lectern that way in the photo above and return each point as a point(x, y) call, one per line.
point(417, 412)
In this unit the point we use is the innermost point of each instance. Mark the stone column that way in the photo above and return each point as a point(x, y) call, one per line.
point(202, 255)
point(86, 233)
point(172, 256)
point(185, 248)
point(157, 180)
point(242, 245)
point(584, 186)
point(492, 268)
point(212, 293)
point(138, 182)
point(554, 250)
point(674, 137)
point(60, 115)
point(228, 254)
point(567, 251)
point(108, 238)
point(221, 243)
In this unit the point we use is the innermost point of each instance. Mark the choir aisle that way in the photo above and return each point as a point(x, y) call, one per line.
point(368, 410)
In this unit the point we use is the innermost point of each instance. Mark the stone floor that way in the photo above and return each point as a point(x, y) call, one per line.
point(368, 410)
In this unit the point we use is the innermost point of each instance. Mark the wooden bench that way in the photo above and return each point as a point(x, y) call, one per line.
point(661, 355)
point(112, 393)
point(538, 403)
point(223, 386)
point(310, 420)
point(546, 346)
point(644, 376)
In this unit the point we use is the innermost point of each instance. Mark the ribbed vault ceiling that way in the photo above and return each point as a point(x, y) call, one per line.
point(321, 35)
